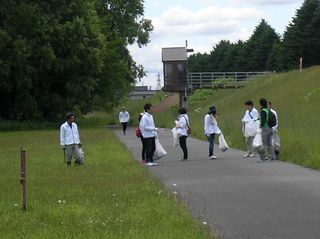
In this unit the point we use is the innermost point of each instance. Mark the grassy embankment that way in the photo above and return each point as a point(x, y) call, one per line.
point(295, 97)
point(110, 196)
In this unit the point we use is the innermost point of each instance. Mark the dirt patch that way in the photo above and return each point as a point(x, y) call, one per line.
point(166, 103)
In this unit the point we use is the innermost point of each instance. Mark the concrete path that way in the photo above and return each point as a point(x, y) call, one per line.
point(239, 198)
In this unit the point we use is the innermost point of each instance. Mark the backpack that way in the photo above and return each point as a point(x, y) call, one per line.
point(271, 118)
point(138, 132)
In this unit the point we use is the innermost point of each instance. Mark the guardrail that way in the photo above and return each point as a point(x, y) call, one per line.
point(223, 79)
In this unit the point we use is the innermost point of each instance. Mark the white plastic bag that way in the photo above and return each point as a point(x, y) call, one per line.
point(250, 128)
point(222, 143)
point(160, 151)
point(276, 141)
point(257, 141)
point(175, 137)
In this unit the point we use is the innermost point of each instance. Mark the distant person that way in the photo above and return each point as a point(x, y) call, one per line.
point(210, 129)
point(182, 130)
point(143, 150)
point(266, 132)
point(149, 132)
point(70, 140)
point(275, 135)
point(251, 115)
point(124, 118)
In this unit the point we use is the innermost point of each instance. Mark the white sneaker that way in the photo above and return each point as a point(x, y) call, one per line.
point(246, 155)
point(213, 157)
point(252, 155)
point(151, 164)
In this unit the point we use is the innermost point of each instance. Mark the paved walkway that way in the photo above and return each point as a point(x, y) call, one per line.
point(239, 197)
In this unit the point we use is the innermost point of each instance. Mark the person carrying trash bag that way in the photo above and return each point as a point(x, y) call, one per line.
point(70, 140)
point(250, 124)
point(149, 133)
point(210, 129)
point(182, 127)
point(275, 134)
point(267, 152)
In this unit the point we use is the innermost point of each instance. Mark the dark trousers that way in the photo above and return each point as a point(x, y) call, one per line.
point(183, 145)
point(150, 147)
point(124, 127)
point(143, 151)
point(211, 144)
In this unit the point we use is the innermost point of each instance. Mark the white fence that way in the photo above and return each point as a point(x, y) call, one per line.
point(223, 79)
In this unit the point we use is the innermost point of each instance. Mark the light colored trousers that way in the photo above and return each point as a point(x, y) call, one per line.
point(268, 150)
point(73, 149)
point(249, 141)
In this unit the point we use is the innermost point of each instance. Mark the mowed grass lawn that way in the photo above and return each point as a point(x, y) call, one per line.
point(111, 196)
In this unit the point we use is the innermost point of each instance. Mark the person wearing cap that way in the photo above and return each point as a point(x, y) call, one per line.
point(211, 128)
point(70, 140)
point(124, 118)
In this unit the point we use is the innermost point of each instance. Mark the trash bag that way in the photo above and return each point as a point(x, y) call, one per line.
point(250, 128)
point(222, 143)
point(175, 137)
point(257, 141)
point(160, 151)
point(276, 141)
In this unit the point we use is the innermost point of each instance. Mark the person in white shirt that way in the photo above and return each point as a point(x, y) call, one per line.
point(70, 140)
point(149, 132)
point(211, 128)
point(124, 118)
point(275, 135)
point(249, 130)
point(182, 130)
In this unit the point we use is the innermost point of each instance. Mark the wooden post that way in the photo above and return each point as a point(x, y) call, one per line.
point(301, 62)
point(23, 180)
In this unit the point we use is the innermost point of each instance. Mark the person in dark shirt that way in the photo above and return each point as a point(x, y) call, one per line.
point(267, 153)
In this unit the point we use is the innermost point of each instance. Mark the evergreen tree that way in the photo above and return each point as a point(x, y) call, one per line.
point(259, 46)
point(300, 36)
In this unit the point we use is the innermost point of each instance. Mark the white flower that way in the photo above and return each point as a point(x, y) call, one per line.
point(64, 201)
point(16, 204)
point(204, 223)
point(59, 201)
point(174, 185)
point(175, 193)
point(114, 195)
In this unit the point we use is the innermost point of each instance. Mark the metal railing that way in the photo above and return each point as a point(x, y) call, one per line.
point(223, 79)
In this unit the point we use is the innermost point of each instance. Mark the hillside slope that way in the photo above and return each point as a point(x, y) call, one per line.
point(295, 96)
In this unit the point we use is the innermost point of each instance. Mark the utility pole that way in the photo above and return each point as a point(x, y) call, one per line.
point(158, 82)
point(23, 179)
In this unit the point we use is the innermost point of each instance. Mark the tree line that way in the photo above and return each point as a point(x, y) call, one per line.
point(58, 56)
point(266, 50)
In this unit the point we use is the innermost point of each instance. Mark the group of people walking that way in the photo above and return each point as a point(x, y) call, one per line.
point(254, 124)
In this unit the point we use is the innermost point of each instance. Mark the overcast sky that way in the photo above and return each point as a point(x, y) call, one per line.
point(204, 23)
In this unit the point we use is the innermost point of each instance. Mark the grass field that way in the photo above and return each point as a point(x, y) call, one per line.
point(111, 196)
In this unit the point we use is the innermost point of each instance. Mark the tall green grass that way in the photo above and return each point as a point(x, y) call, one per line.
point(295, 96)
point(110, 196)
point(90, 120)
